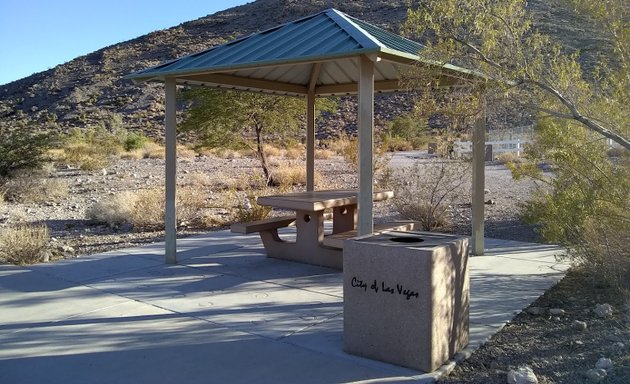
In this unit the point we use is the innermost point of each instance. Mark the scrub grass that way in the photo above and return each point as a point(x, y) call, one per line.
point(24, 244)
point(247, 209)
point(324, 154)
point(425, 191)
point(509, 158)
point(33, 187)
point(292, 175)
point(144, 209)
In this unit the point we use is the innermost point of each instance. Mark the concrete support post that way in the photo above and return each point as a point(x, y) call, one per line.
point(170, 218)
point(366, 143)
point(478, 184)
point(310, 141)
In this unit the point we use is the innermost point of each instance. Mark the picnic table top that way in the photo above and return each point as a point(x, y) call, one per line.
point(318, 200)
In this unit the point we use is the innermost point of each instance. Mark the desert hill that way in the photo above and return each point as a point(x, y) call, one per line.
point(90, 90)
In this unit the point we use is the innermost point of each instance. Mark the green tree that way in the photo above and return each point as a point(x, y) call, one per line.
point(585, 202)
point(409, 128)
point(220, 118)
point(526, 67)
point(21, 149)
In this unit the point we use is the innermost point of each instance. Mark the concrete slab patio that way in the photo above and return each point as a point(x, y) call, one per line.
point(224, 314)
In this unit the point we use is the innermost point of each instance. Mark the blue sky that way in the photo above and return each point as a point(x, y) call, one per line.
point(36, 35)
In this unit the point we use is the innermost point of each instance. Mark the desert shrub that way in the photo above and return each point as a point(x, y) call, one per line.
point(24, 243)
point(295, 153)
point(85, 156)
point(248, 152)
point(286, 176)
point(33, 188)
point(395, 143)
point(246, 182)
point(225, 152)
point(206, 152)
point(148, 210)
point(425, 191)
point(93, 148)
point(324, 154)
point(133, 141)
point(190, 203)
point(21, 149)
point(228, 154)
point(604, 250)
point(184, 152)
point(272, 151)
point(144, 209)
point(348, 148)
point(420, 142)
point(110, 122)
point(432, 217)
point(406, 133)
point(110, 143)
point(90, 149)
point(585, 205)
point(114, 209)
point(508, 158)
point(47, 169)
point(55, 155)
point(274, 162)
point(199, 179)
point(137, 146)
point(220, 181)
point(408, 127)
point(154, 151)
point(135, 154)
point(247, 209)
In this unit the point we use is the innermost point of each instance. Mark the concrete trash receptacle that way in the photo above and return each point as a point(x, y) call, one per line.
point(406, 297)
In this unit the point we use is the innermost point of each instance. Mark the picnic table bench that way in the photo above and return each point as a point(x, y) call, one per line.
point(269, 224)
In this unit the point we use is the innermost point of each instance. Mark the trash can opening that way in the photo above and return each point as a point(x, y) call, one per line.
point(406, 239)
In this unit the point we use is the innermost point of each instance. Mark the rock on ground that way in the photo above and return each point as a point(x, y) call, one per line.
point(536, 311)
point(604, 363)
point(522, 375)
point(596, 375)
point(603, 310)
point(579, 325)
point(556, 311)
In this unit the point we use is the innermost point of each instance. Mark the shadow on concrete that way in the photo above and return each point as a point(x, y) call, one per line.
point(139, 350)
point(496, 297)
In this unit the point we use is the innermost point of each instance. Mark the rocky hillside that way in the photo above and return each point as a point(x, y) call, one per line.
point(90, 91)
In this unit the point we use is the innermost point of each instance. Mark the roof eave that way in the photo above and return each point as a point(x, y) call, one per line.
point(143, 76)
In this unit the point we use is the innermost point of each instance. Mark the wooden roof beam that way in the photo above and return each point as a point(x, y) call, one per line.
point(314, 77)
point(351, 88)
point(218, 80)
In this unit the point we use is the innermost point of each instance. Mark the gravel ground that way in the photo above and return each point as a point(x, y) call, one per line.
point(66, 218)
point(550, 343)
point(561, 337)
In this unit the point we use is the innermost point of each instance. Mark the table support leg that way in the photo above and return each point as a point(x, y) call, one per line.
point(310, 228)
point(308, 246)
point(344, 218)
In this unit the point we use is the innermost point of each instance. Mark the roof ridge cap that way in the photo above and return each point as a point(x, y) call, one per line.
point(363, 38)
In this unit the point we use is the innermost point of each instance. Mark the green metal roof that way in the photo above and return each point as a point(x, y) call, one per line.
point(321, 48)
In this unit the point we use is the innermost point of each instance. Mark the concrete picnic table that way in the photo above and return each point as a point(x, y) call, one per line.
point(311, 205)
point(309, 219)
